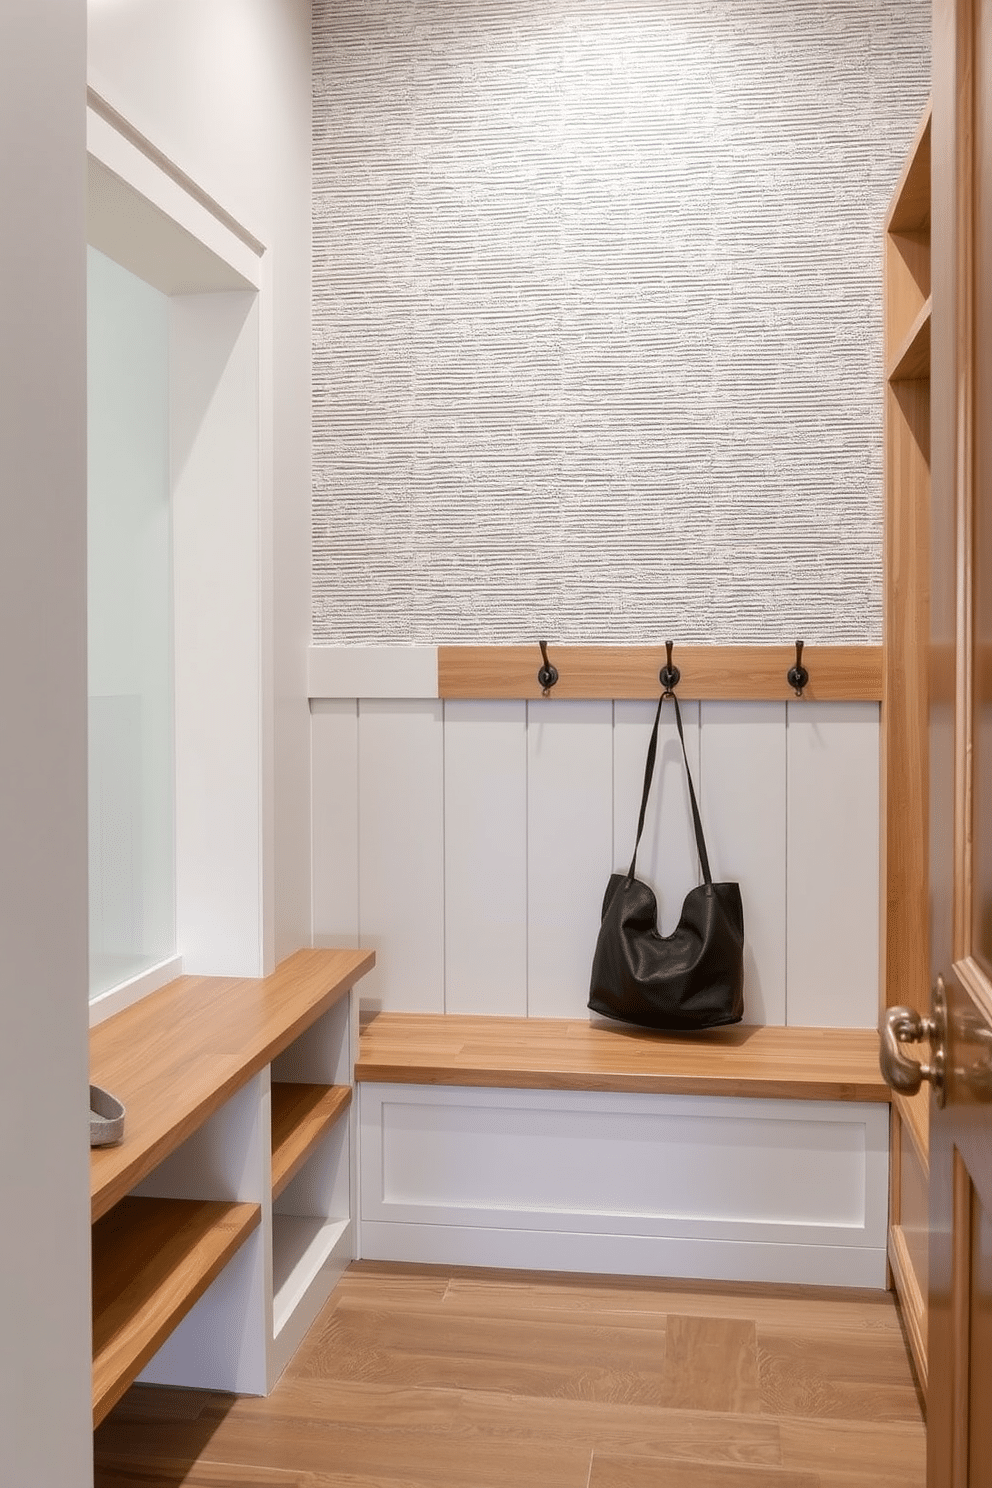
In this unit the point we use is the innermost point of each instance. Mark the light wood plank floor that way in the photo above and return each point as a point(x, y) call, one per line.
point(426, 1377)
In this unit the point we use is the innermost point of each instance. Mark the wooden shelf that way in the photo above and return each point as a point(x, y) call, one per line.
point(171, 1084)
point(709, 673)
point(301, 1114)
point(910, 209)
point(912, 358)
point(152, 1260)
point(837, 1064)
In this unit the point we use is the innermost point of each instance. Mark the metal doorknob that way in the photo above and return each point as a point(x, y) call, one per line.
point(903, 1025)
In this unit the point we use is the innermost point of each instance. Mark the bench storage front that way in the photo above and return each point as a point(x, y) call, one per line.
point(747, 1154)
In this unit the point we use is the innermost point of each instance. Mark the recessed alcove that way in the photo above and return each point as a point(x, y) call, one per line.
point(149, 219)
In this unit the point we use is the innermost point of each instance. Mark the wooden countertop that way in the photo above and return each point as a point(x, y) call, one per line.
point(176, 1056)
point(563, 1054)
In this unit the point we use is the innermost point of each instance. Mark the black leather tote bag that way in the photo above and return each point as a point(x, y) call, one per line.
point(693, 978)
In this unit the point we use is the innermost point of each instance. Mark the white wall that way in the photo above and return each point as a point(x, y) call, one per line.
point(223, 90)
point(470, 843)
point(45, 1349)
point(130, 627)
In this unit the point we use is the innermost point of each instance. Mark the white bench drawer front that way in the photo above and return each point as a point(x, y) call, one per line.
point(678, 1185)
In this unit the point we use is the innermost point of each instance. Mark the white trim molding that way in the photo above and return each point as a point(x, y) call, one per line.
point(373, 672)
point(115, 999)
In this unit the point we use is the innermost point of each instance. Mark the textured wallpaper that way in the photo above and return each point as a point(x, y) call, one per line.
point(597, 316)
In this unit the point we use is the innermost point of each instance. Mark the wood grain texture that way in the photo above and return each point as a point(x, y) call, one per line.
point(911, 358)
point(912, 1301)
point(905, 753)
point(570, 1054)
point(152, 1260)
point(301, 1114)
point(712, 1364)
point(910, 207)
point(153, 1473)
point(709, 673)
point(615, 1470)
point(905, 756)
point(417, 1376)
point(175, 1057)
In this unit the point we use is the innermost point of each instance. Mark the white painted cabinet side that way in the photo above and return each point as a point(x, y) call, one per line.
point(743, 776)
point(334, 768)
point(221, 1344)
point(569, 849)
point(485, 857)
point(832, 847)
point(401, 853)
point(667, 857)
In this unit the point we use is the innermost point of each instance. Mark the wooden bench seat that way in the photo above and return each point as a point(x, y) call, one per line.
point(837, 1064)
point(567, 1145)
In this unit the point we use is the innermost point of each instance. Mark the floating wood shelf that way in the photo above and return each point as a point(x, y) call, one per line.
point(301, 1114)
point(838, 1064)
point(912, 358)
point(170, 1084)
point(709, 673)
point(152, 1260)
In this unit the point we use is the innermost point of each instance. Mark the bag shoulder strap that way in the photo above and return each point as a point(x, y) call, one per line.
point(697, 824)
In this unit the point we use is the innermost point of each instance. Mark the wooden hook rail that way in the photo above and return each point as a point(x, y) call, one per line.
point(708, 673)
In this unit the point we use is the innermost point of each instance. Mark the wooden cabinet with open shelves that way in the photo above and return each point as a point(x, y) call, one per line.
point(905, 766)
point(223, 1219)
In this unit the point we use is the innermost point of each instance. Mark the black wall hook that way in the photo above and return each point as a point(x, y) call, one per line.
point(669, 676)
point(797, 676)
point(548, 675)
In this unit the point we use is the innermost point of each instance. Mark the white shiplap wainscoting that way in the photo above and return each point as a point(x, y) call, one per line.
point(469, 844)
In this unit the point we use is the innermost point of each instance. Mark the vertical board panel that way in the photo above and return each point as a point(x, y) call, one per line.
point(743, 773)
point(832, 847)
point(401, 853)
point(667, 857)
point(221, 628)
point(485, 857)
point(569, 850)
point(334, 756)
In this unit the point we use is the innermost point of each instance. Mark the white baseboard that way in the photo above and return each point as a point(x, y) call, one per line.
point(624, 1255)
point(134, 989)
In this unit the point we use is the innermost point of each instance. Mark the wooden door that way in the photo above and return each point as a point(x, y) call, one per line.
point(960, 719)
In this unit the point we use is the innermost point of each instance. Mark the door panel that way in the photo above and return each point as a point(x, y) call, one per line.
point(960, 1355)
point(960, 857)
